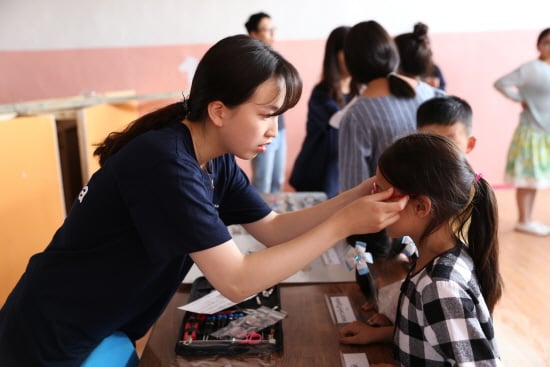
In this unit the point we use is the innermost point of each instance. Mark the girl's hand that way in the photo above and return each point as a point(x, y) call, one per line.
point(356, 333)
point(379, 319)
point(369, 307)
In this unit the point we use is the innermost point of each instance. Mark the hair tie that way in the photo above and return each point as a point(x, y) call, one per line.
point(478, 176)
point(409, 247)
point(357, 257)
point(390, 74)
point(185, 103)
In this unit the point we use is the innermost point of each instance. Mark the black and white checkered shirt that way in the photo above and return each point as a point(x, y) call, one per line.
point(443, 319)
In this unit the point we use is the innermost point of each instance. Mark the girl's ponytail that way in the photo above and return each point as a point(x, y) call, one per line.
point(483, 241)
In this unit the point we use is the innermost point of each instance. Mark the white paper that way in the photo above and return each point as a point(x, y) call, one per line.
point(211, 303)
point(355, 360)
point(342, 309)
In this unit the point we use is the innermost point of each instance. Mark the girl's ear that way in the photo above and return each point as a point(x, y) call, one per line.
point(217, 112)
point(422, 206)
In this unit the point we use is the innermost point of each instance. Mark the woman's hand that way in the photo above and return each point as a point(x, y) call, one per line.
point(365, 187)
point(370, 213)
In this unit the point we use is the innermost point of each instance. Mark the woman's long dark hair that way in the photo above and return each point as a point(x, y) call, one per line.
point(371, 53)
point(331, 74)
point(432, 165)
point(229, 72)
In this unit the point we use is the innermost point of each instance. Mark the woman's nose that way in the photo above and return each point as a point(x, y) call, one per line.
point(273, 126)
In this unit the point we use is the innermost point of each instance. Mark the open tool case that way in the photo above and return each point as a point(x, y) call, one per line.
point(195, 339)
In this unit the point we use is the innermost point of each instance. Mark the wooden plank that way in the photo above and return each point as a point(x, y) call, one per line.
point(94, 124)
point(32, 205)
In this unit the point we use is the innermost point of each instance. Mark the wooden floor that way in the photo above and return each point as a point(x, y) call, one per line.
point(522, 318)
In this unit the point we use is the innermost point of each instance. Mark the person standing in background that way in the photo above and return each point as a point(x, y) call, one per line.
point(268, 168)
point(384, 111)
point(432, 75)
point(415, 53)
point(435, 79)
point(316, 167)
point(528, 162)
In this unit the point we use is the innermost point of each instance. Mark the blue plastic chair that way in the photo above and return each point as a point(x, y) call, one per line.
point(116, 350)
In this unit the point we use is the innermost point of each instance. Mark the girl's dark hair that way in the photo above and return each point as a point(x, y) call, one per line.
point(415, 52)
point(432, 165)
point(229, 72)
point(379, 245)
point(330, 78)
point(542, 35)
point(370, 54)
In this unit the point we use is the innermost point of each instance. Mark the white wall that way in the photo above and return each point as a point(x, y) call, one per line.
point(66, 24)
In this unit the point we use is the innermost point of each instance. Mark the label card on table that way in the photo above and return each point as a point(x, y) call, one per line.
point(354, 360)
point(341, 310)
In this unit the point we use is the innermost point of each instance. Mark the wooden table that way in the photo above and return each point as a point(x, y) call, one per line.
point(310, 335)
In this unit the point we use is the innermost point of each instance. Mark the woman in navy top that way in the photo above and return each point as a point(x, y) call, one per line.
point(316, 166)
point(166, 191)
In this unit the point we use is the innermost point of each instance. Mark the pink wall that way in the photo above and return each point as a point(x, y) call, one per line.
point(470, 61)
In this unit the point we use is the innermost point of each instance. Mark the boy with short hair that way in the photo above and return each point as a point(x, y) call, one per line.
point(449, 116)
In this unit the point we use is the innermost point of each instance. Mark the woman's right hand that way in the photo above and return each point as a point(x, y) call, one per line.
point(370, 213)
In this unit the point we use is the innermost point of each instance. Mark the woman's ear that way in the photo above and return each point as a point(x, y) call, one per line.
point(422, 205)
point(217, 112)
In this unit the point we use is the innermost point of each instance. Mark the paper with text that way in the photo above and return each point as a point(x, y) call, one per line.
point(355, 360)
point(342, 309)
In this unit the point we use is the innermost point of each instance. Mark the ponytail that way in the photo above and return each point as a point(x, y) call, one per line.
point(152, 121)
point(483, 241)
point(399, 87)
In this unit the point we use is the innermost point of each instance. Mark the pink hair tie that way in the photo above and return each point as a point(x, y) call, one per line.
point(478, 177)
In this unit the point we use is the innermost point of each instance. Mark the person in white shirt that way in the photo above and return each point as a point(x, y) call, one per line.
point(528, 161)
